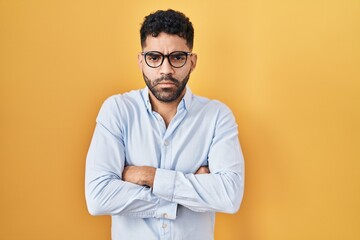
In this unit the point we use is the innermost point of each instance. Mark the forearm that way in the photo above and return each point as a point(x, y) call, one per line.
point(107, 194)
point(105, 190)
point(140, 175)
point(219, 192)
point(144, 175)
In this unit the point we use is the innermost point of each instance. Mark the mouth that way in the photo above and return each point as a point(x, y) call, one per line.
point(166, 84)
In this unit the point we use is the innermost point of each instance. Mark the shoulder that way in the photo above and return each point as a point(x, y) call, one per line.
point(218, 115)
point(132, 97)
point(118, 105)
point(215, 112)
point(210, 105)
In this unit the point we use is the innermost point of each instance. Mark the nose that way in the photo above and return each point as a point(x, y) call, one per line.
point(166, 68)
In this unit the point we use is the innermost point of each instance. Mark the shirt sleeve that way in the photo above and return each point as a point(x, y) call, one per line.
point(221, 190)
point(106, 193)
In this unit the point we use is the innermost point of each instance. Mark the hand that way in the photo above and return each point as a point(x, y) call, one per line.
point(142, 175)
point(203, 170)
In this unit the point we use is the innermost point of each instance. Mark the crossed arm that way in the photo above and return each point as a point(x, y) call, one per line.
point(144, 175)
point(112, 188)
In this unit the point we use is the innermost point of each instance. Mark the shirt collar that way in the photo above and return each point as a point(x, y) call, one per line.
point(187, 99)
point(184, 103)
point(145, 96)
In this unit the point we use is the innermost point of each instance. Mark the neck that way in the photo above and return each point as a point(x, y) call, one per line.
point(167, 110)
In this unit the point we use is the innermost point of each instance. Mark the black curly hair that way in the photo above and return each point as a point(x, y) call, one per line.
point(170, 22)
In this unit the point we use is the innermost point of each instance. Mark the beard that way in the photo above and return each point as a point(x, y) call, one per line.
point(170, 94)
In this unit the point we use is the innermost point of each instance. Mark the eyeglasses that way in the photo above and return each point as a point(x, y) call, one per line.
point(176, 59)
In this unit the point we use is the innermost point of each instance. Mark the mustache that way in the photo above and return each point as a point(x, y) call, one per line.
point(167, 77)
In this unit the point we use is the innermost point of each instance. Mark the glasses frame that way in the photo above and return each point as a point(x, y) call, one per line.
point(166, 56)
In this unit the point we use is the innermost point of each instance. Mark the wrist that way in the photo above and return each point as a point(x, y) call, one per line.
point(148, 176)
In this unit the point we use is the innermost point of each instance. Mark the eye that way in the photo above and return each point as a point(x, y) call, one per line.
point(153, 57)
point(178, 57)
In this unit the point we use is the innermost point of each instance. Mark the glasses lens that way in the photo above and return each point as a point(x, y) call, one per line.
point(153, 59)
point(178, 59)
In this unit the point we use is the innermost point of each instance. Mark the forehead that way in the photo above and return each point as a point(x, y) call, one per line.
point(165, 43)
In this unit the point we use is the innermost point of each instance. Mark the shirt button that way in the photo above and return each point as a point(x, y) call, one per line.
point(164, 225)
point(165, 215)
point(166, 143)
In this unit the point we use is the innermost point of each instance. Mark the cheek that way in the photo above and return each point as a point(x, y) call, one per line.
point(151, 74)
point(184, 72)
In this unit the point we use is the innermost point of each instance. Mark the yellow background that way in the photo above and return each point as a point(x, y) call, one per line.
point(290, 71)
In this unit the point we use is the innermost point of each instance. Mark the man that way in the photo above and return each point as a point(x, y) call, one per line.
point(162, 160)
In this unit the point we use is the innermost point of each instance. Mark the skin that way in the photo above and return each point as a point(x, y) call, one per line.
point(165, 101)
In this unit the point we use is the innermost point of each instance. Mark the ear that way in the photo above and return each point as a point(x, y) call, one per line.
point(193, 60)
point(140, 60)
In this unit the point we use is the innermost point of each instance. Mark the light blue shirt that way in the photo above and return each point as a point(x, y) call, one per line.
point(181, 205)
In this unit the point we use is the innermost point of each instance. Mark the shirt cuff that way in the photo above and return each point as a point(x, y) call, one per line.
point(164, 183)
